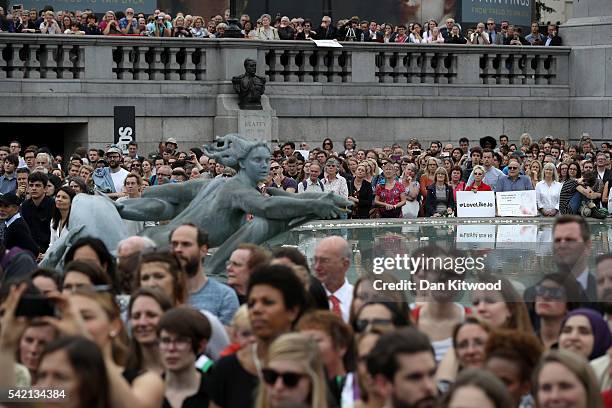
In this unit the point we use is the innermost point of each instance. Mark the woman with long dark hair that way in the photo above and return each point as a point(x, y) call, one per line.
point(61, 214)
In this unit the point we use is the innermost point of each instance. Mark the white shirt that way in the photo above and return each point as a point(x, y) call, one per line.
point(56, 233)
point(119, 178)
point(547, 197)
point(583, 279)
point(312, 186)
point(338, 185)
point(345, 296)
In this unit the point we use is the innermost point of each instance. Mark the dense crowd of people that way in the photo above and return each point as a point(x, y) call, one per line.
point(387, 182)
point(142, 326)
point(162, 24)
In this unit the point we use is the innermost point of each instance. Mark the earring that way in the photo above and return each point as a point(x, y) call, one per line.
point(112, 334)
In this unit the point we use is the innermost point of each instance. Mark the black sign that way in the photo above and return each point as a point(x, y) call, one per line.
point(125, 126)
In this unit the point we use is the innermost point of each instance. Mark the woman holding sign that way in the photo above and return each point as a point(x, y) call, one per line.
point(478, 184)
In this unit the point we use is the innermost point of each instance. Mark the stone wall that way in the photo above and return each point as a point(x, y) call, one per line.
point(373, 92)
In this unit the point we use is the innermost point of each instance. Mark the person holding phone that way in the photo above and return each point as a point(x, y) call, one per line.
point(159, 27)
point(49, 25)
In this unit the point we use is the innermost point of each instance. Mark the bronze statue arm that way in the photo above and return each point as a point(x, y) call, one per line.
point(176, 192)
point(284, 206)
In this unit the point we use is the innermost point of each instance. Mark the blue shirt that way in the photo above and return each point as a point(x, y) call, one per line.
point(217, 298)
point(8, 185)
point(491, 177)
point(521, 183)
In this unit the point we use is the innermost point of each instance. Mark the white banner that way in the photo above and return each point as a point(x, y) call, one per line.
point(479, 204)
point(517, 204)
point(327, 43)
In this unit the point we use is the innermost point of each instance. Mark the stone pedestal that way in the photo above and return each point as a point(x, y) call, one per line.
point(252, 124)
point(591, 24)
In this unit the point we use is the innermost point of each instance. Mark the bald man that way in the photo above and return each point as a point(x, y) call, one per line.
point(331, 262)
point(128, 257)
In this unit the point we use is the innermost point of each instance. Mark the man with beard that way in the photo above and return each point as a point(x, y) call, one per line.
point(403, 367)
point(110, 179)
point(190, 244)
point(603, 275)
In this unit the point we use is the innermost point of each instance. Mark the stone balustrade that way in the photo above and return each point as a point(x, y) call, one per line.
point(24, 56)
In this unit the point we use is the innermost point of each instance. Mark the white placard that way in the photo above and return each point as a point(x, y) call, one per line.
point(304, 153)
point(517, 204)
point(512, 234)
point(475, 236)
point(479, 204)
point(327, 43)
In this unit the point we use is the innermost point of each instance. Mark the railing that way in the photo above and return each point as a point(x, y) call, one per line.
point(24, 56)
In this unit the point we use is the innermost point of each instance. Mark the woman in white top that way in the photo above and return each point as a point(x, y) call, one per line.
point(434, 36)
point(61, 215)
point(266, 32)
point(416, 35)
point(548, 191)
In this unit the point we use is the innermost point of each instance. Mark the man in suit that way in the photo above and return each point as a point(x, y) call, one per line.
point(17, 233)
point(572, 249)
point(603, 172)
point(495, 37)
point(448, 27)
point(553, 39)
point(371, 35)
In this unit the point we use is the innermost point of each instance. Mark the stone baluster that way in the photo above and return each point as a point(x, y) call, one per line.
point(64, 64)
point(188, 66)
point(48, 62)
point(3, 65)
point(412, 68)
point(427, 71)
point(124, 65)
point(401, 68)
point(531, 61)
point(507, 64)
point(140, 64)
point(306, 68)
point(384, 68)
point(156, 66)
point(200, 66)
point(172, 66)
point(80, 63)
point(292, 68)
point(439, 69)
point(541, 76)
point(319, 71)
point(334, 69)
point(489, 73)
point(347, 68)
point(32, 64)
point(16, 64)
point(278, 70)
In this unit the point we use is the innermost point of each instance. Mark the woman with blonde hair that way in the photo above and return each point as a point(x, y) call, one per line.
point(565, 379)
point(199, 30)
point(526, 140)
point(548, 191)
point(439, 201)
point(293, 374)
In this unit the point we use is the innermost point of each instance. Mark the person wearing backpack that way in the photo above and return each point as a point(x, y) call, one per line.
point(312, 183)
